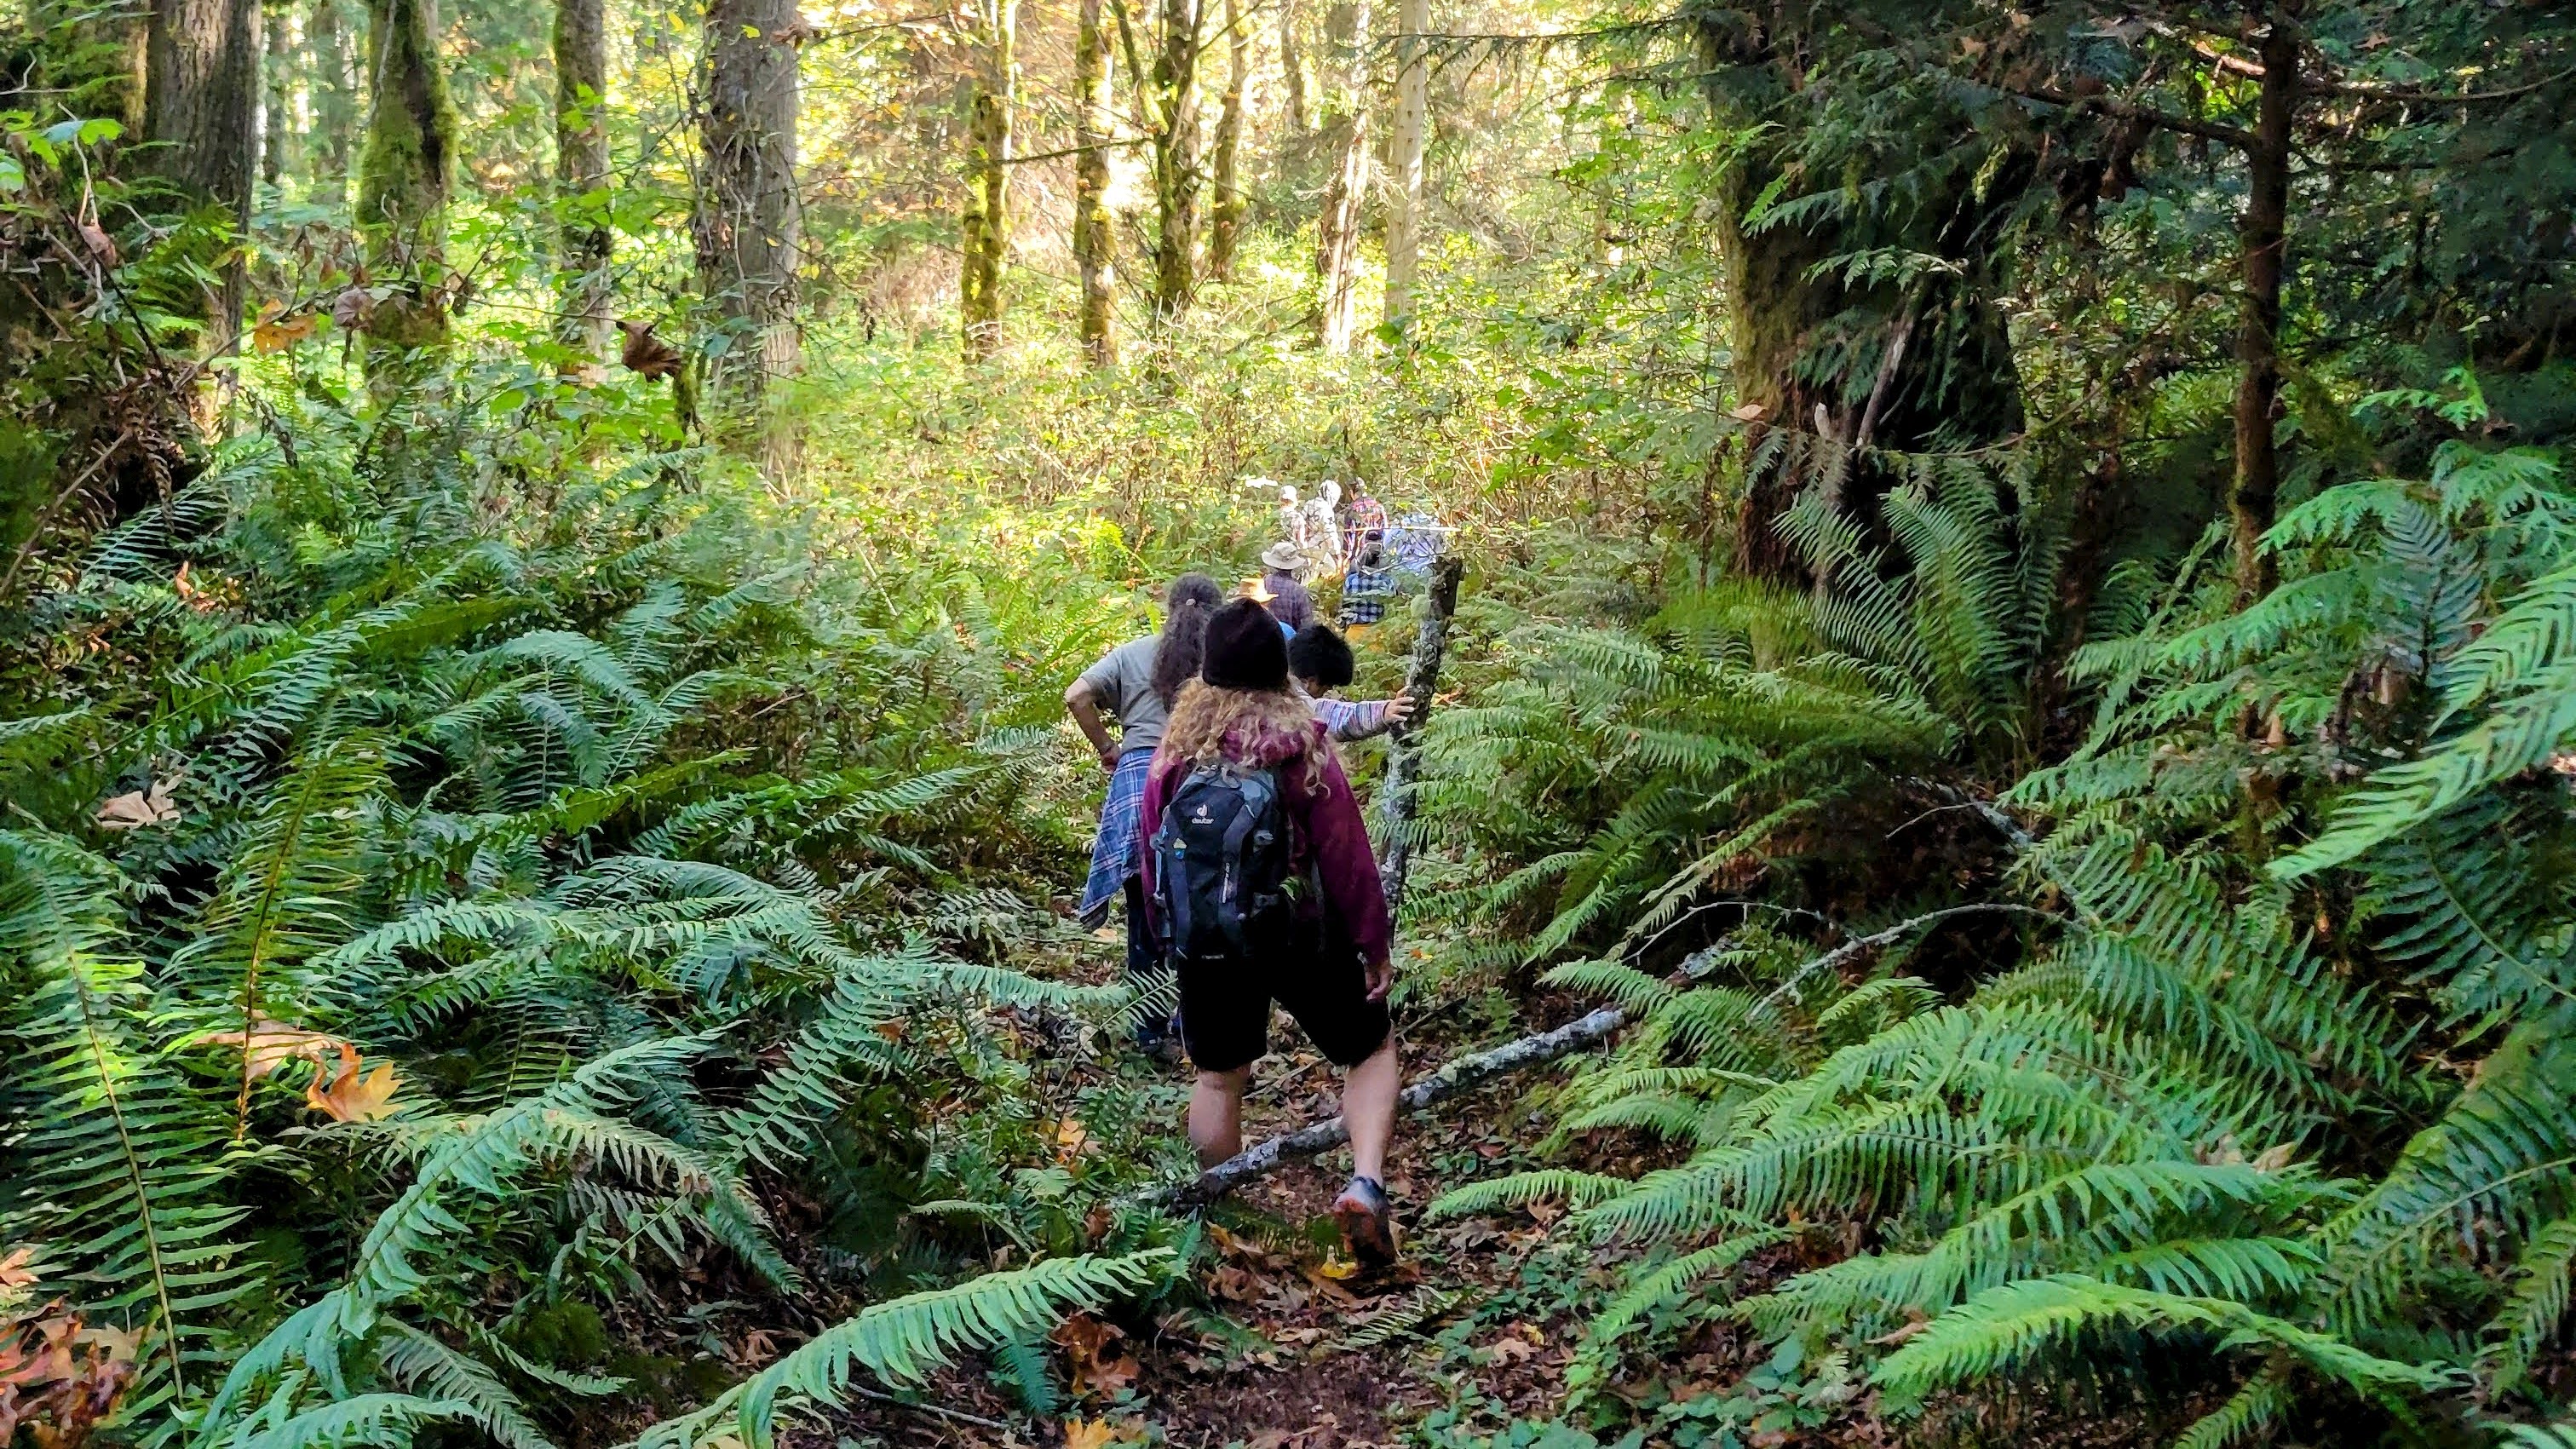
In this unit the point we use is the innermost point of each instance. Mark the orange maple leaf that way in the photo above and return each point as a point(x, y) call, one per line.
point(351, 1097)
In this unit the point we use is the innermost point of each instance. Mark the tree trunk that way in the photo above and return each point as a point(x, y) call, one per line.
point(985, 225)
point(403, 181)
point(581, 178)
point(335, 99)
point(1404, 160)
point(1346, 132)
point(747, 223)
point(1292, 69)
point(201, 105)
point(1176, 161)
point(273, 119)
point(1093, 241)
point(2262, 239)
point(1225, 222)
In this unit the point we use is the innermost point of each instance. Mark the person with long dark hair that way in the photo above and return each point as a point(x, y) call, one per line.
point(1136, 683)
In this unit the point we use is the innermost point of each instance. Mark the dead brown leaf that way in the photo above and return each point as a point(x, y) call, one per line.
point(1095, 1350)
point(646, 355)
point(138, 808)
point(351, 1097)
point(276, 331)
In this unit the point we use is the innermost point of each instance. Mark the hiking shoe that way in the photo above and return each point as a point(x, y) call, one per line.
point(1160, 1040)
point(1367, 1221)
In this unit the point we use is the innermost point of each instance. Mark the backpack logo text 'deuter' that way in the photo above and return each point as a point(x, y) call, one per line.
point(1221, 861)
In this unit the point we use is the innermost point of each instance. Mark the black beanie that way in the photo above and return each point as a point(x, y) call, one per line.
point(1245, 649)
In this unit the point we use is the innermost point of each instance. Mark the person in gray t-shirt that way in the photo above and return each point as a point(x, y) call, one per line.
point(1136, 683)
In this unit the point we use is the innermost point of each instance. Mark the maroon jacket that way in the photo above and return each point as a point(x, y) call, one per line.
point(1329, 835)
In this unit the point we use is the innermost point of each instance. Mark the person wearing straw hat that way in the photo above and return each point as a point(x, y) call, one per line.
point(1282, 589)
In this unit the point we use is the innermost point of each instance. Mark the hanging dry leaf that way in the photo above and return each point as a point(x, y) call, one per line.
point(350, 309)
point(138, 808)
point(1751, 412)
point(275, 1043)
point(276, 332)
point(352, 1098)
point(646, 355)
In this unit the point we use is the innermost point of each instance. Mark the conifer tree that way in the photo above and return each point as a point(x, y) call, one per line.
point(748, 225)
point(1094, 245)
point(1346, 150)
point(581, 174)
point(984, 224)
point(1231, 206)
point(1404, 159)
point(404, 176)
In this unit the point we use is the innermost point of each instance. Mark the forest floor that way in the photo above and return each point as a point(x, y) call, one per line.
point(1291, 1346)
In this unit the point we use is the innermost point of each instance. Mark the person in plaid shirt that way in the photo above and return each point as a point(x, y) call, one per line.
point(1320, 662)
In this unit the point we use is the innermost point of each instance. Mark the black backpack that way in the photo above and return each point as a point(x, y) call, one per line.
point(1221, 863)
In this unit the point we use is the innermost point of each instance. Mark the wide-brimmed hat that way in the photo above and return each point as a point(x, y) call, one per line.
point(1283, 556)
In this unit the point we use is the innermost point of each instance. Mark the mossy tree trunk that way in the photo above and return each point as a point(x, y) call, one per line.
point(274, 129)
point(581, 177)
point(1292, 68)
point(747, 224)
point(1176, 159)
point(1828, 369)
point(404, 177)
point(1231, 207)
point(201, 109)
point(335, 98)
point(1404, 159)
point(1346, 148)
point(984, 226)
point(1094, 243)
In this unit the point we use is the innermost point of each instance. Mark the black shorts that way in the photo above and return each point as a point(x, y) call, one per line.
point(1225, 1006)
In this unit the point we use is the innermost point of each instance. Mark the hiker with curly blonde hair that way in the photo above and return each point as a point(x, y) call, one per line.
point(1262, 888)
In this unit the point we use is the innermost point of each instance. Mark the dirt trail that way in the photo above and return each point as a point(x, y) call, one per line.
point(1290, 1347)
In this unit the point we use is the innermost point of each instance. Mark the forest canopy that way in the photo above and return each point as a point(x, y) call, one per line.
point(1986, 836)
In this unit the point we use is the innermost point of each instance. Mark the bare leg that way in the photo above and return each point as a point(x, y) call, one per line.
point(1216, 1114)
point(1368, 1107)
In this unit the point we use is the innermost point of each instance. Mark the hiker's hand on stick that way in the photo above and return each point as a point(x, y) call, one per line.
point(1381, 978)
point(1399, 709)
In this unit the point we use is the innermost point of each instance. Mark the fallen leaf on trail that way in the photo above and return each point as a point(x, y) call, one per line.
point(1335, 1269)
point(1512, 1350)
point(1072, 1139)
point(1093, 1433)
point(1091, 1346)
point(1235, 1285)
point(1545, 1213)
point(759, 1346)
point(1109, 933)
point(138, 808)
point(1890, 1340)
point(893, 1028)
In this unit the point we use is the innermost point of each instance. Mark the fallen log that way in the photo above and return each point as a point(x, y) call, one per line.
point(1451, 1078)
